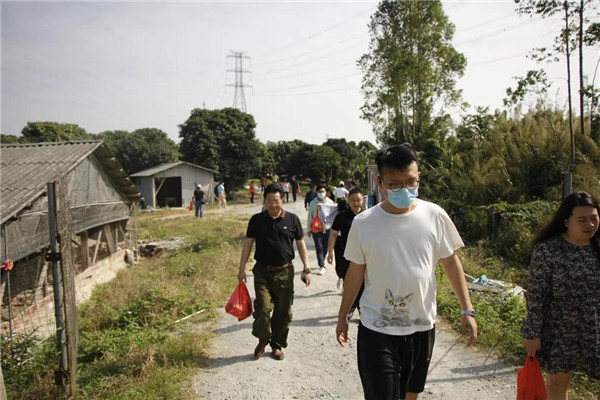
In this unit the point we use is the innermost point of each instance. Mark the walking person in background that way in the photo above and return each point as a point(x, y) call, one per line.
point(263, 183)
point(199, 201)
point(310, 196)
point(294, 187)
point(341, 193)
point(274, 231)
point(221, 195)
point(394, 247)
point(329, 193)
point(322, 207)
point(563, 298)
point(339, 236)
point(286, 189)
point(252, 190)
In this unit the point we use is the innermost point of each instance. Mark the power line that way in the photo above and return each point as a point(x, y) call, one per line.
point(312, 60)
point(328, 68)
point(310, 84)
point(310, 51)
point(308, 93)
point(314, 35)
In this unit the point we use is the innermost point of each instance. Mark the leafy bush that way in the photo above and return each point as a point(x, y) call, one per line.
point(507, 228)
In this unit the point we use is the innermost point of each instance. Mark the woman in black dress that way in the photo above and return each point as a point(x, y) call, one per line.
point(563, 295)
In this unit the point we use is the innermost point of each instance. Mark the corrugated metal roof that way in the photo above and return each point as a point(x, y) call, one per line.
point(166, 166)
point(26, 168)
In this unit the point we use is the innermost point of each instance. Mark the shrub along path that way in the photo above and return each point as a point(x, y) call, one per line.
point(316, 367)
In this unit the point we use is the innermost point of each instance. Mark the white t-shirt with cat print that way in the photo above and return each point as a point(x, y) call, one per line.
point(401, 252)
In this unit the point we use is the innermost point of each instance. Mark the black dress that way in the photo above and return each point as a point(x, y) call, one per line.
point(563, 306)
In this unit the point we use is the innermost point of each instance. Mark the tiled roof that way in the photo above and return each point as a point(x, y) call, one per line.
point(164, 167)
point(26, 168)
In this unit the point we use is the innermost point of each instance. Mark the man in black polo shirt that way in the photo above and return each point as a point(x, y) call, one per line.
point(274, 230)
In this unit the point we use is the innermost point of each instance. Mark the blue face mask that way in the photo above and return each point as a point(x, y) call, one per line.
point(321, 195)
point(403, 198)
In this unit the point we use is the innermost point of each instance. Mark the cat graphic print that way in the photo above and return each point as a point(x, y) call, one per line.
point(395, 311)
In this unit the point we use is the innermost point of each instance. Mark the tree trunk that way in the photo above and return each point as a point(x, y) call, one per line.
point(581, 109)
point(568, 55)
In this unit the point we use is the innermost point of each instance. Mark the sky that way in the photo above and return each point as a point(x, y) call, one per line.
point(130, 65)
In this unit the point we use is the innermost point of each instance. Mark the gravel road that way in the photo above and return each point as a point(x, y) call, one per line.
point(317, 367)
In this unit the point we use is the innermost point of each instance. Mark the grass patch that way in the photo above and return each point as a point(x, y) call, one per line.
point(130, 346)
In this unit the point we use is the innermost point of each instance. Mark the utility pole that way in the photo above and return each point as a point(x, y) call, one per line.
point(239, 57)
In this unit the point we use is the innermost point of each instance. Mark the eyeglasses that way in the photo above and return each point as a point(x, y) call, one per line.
point(396, 187)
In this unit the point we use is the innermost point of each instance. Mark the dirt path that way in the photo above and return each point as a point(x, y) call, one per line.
point(316, 367)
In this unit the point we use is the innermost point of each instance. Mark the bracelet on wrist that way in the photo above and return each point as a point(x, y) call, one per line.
point(306, 271)
point(470, 312)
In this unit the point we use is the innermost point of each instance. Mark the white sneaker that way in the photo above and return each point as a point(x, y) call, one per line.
point(339, 283)
point(322, 271)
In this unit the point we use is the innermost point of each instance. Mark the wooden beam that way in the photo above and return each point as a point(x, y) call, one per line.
point(84, 252)
point(98, 241)
point(41, 287)
point(110, 240)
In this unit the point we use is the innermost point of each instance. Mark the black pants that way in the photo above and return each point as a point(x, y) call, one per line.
point(389, 366)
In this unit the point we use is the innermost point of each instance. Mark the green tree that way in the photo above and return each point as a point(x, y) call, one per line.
point(9, 138)
point(141, 149)
point(315, 162)
point(223, 140)
point(280, 153)
point(53, 132)
point(265, 159)
point(410, 70)
point(348, 152)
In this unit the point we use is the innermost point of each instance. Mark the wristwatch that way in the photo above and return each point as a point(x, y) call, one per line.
point(306, 270)
point(470, 312)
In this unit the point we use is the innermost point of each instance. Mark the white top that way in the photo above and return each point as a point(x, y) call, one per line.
point(340, 192)
point(401, 252)
point(327, 212)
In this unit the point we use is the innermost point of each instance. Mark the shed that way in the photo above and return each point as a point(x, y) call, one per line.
point(101, 200)
point(100, 192)
point(173, 184)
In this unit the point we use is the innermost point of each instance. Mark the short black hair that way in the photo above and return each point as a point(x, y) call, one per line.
point(321, 186)
point(398, 157)
point(273, 188)
point(354, 190)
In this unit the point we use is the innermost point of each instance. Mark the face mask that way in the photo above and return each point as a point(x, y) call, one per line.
point(321, 195)
point(404, 198)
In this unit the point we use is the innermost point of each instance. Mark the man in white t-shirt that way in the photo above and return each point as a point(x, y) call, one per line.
point(341, 193)
point(395, 247)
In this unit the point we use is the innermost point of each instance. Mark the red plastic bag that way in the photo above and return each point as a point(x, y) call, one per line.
point(316, 225)
point(191, 207)
point(530, 382)
point(239, 304)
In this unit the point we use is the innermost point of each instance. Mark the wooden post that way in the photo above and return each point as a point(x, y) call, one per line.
point(64, 226)
point(110, 240)
point(40, 288)
point(84, 251)
point(98, 241)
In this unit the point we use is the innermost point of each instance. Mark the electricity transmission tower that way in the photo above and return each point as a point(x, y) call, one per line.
point(239, 79)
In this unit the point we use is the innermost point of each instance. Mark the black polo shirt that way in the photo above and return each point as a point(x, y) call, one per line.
point(342, 224)
point(274, 237)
